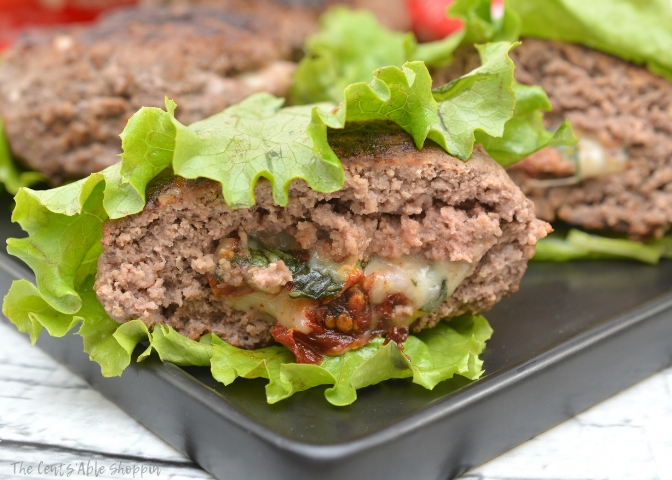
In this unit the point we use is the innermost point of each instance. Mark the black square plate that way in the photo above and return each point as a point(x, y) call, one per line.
point(574, 335)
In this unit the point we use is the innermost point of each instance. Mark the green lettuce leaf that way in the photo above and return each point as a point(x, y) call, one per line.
point(107, 342)
point(369, 366)
point(663, 244)
point(24, 306)
point(10, 175)
point(352, 43)
point(178, 349)
point(482, 100)
point(63, 225)
point(437, 354)
point(451, 350)
point(477, 107)
point(349, 46)
point(257, 138)
point(275, 363)
point(525, 133)
point(401, 95)
point(635, 30)
point(578, 245)
point(333, 61)
point(148, 144)
point(480, 27)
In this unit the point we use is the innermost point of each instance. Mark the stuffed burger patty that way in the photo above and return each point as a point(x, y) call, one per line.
point(619, 177)
point(413, 237)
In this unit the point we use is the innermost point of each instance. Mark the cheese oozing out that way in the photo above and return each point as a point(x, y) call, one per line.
point(595, 160)
point(591, 159)
point(424, 284)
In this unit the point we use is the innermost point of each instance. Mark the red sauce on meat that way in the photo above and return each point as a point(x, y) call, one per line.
point(336, 325)
point(312, 347)
point(386, 308)
point(342, 323)
point(397, 335)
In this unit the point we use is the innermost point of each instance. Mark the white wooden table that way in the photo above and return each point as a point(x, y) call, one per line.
point(51, 419)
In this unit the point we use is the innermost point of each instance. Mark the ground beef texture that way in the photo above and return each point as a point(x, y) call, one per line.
point(621, 105)
point(396, 201)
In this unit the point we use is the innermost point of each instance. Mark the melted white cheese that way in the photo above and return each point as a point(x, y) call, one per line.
point(290, 312)
point(338, 271)
point(595, 160)
point(414, 276)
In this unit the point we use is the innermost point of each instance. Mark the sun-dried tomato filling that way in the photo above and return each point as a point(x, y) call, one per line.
point(320, 307)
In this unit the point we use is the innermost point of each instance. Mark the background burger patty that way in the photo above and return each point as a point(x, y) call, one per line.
point(613, 101)
point(396, 201)
point(66, 95)
point(622, 105)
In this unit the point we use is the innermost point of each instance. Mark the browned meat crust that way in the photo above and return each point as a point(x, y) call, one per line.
point(395, 201)
point(621, 104)
point(65, 96)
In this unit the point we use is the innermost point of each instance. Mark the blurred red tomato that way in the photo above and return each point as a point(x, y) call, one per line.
point(430, 21)
point(16, 15)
